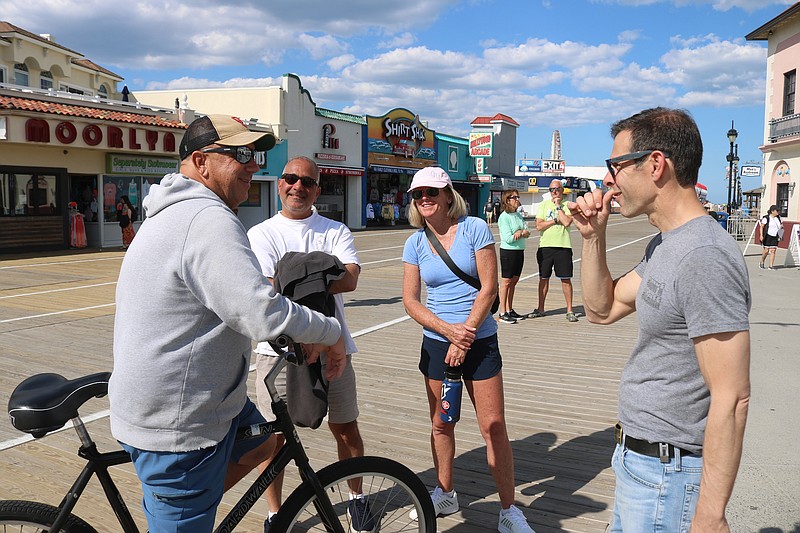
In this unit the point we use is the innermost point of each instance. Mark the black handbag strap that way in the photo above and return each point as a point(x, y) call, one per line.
point(466, 278)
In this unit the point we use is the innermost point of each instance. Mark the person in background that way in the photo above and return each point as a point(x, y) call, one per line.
point(685, 390)
point(297, 227)
point(127, 216)
point(553, 220)
point(513, 236)
point(190, 297)
point(771, 225)
point(488, 211)
point(458, 331)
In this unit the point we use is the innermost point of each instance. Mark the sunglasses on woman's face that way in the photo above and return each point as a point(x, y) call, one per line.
point(430, 192)
point(513, 197)
point(305, 181)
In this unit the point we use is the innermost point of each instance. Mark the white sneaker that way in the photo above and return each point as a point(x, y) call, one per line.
point(513, 521)
point(443, 503)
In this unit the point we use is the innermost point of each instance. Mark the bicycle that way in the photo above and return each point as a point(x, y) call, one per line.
point(46, 402)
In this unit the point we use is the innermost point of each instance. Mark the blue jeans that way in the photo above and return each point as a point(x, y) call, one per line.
point(652, 496)
point(181, 490)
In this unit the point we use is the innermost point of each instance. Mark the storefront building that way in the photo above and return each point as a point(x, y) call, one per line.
point(332, 139)
point(397, 145)
point(492, 146)
point(60, 161)
point(453, 154)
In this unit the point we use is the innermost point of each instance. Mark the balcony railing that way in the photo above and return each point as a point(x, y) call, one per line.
point(780, 128)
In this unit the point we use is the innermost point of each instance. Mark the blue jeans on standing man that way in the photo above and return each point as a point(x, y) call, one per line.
point(654, 496)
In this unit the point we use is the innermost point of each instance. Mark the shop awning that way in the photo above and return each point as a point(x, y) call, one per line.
point(341, 171)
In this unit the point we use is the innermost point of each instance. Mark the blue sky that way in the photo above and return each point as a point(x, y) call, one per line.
point(571, 65)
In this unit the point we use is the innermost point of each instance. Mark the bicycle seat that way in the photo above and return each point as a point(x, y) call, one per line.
point(45, 402)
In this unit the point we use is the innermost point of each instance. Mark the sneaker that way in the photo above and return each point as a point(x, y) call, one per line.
point(443, 503)
point(506, 319)
point(571, 317)
point(516, 316)
point(267, 523)
point(761, 266)
point(535, 314)
point(770, 268)
point(361, 518)
point(513, 521)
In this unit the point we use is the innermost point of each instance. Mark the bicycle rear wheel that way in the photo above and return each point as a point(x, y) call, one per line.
point(31, 517)
point(390, 489)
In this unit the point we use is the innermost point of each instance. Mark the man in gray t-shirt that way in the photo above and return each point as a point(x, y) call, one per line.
point(684, 391)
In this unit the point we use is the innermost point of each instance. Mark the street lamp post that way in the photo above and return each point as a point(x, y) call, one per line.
point(737, 177)
point(732, 134)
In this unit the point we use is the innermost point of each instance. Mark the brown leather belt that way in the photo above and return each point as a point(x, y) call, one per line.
point(662, 450)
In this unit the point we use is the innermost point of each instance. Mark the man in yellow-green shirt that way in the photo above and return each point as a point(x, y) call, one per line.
point(555, 249)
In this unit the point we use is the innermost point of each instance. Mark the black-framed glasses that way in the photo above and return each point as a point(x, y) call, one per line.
point(305, 181)
point(513, 197)
point(430, 192)
point(556, 189)
point(242, 154)
point(614, 165)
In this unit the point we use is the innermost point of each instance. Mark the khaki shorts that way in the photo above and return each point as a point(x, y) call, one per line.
point(342, 398)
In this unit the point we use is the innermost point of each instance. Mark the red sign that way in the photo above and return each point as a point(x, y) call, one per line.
point(38, 131)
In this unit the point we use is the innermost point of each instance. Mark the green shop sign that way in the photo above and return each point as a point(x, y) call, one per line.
point(140, 166)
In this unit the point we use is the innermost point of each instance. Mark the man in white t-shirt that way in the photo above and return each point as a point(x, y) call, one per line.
point(299, 228)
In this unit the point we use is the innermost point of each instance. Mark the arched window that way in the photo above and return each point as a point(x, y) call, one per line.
point(21, 74)
point(46, 79)
point(102, 91)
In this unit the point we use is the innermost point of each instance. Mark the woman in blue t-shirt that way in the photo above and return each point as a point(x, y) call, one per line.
point(458, 331)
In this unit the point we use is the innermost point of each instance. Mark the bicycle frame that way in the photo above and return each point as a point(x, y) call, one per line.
point(96, 464)
point(292, 449)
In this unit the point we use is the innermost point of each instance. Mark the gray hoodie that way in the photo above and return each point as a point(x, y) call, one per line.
point(190, 298)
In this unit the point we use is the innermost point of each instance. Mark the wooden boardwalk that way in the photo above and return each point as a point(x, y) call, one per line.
point(57, 315)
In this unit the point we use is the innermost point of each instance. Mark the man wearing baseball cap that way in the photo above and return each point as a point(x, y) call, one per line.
point(190, 297)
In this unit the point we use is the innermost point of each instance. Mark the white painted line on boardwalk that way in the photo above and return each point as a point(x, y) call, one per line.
point(27, 438)
point(30, 265)
point(380, 326)
point(6, 321)
point(59, 290)
point(381, 261)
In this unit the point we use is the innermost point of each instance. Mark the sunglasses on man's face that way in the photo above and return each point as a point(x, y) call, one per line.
point(305, 181)
point(556, 189)
point(430, 192)
point(242, 154)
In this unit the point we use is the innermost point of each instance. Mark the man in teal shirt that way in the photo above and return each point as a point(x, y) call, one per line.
point(555, 249)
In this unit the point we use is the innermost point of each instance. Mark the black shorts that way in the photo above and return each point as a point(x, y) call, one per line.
point(770, 241)
point(483, 359)
point(560, 258)
point(511, 262)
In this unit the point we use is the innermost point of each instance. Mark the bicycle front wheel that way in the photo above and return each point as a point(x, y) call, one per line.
point(391, 492)
point(33, 517)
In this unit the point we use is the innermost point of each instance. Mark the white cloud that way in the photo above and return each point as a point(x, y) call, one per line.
point(398, 41)
point(323, 46)
point(339, 62)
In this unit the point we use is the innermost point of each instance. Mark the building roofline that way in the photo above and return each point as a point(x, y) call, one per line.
point(763, 33)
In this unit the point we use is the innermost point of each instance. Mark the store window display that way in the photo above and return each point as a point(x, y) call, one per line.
point(114, 188)
point(387, 199)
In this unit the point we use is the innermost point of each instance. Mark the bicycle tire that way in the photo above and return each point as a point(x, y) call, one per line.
point(30, 517)
point(391, 489)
